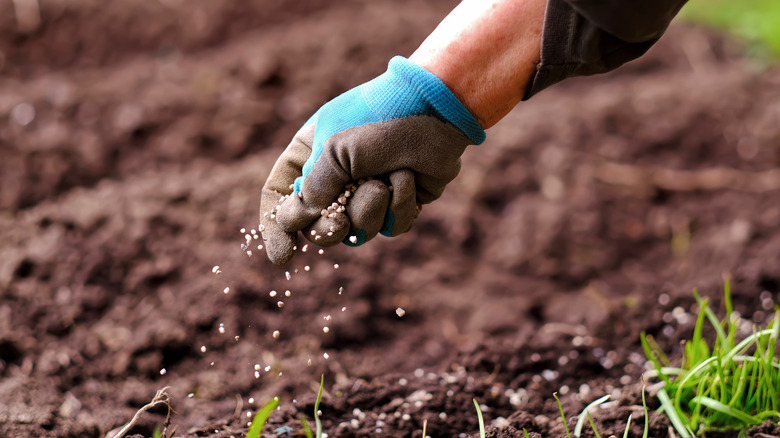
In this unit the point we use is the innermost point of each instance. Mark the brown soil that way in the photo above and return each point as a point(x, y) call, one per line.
point(155, 124)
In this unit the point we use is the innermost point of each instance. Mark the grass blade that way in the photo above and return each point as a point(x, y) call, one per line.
point(583, 414)
point(525, 433)
point(425, 428)
point(306, 428)
point(671, 412)
point(317, 423)
point(728, 410)
point(647, 415)
point(628, 426)
point(261, 417)
point(481, 420)
point(592, 426)
point(563, 416)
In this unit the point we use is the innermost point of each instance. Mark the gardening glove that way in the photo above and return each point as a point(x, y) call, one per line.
point(366, 162)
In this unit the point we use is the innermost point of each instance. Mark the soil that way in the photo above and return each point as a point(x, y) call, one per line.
point(135, 137)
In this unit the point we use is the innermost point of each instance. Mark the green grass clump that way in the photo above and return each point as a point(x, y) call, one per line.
point(757, 21)
point(723, 385)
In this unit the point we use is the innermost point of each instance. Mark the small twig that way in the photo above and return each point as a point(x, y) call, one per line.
point(717, 178)
point(239, 407)
point(161, 398)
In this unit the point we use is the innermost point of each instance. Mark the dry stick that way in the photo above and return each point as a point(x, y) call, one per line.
point(688, 180)
point(239, 407)
point(162, 397)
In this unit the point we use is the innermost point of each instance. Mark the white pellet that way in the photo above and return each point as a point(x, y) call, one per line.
point(226, 290)
point(276, 334)
point(400, 312)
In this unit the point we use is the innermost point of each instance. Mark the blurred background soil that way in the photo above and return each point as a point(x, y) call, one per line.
point(135, 136)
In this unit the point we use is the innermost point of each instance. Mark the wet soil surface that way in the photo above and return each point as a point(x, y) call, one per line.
point(135, 137)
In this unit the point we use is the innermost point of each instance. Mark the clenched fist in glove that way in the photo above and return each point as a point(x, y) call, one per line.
point(366, 162)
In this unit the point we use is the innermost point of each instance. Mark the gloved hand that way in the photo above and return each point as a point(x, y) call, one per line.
point(384, 149)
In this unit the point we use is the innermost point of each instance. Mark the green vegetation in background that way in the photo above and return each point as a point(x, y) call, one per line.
point(757, 21)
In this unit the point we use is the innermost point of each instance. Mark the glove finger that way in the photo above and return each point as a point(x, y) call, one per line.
point(318, 190)
point(279, 244)
point(403, 208)
point(328, 230)
point(366, 211)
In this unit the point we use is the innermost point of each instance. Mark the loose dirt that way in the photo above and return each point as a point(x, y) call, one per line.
point(135, 137)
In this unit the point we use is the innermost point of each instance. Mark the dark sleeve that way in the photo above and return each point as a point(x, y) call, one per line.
point(587, 37)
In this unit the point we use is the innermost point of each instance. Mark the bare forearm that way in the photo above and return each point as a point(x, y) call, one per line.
point(486, 52)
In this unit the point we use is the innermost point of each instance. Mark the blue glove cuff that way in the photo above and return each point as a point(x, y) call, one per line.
point(427, 96)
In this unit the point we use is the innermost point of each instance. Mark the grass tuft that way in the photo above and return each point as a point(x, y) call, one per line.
point(723, 385)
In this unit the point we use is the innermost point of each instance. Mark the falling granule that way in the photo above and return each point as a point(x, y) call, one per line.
point(336, 266)
point(326, 317)
point(267, 368)
point(343, 309)
point(252, 231)
point(287, 274)
point(272, 293)
point(305, 248)
point(163, 371)
point(236, 338)
point(222, 328)
point(280, 373)
point(243, 230)
point(202, 348)
point(280, 304)
point(325, 355)
point(251, 400)
point(308, 362)
point(259, 246)
point(325, 329)
point(400, 312)
point(257, 374)
point(322, 251)
point(226, 290)
point(306, 268)
point(249, 253)
point(244, 247)
point(215, 270)
point(257, 367)
point(276, 334)
point(287, 293)
point(341, 289)
point(248, 237)
point(191, 395)
point(353, 239)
